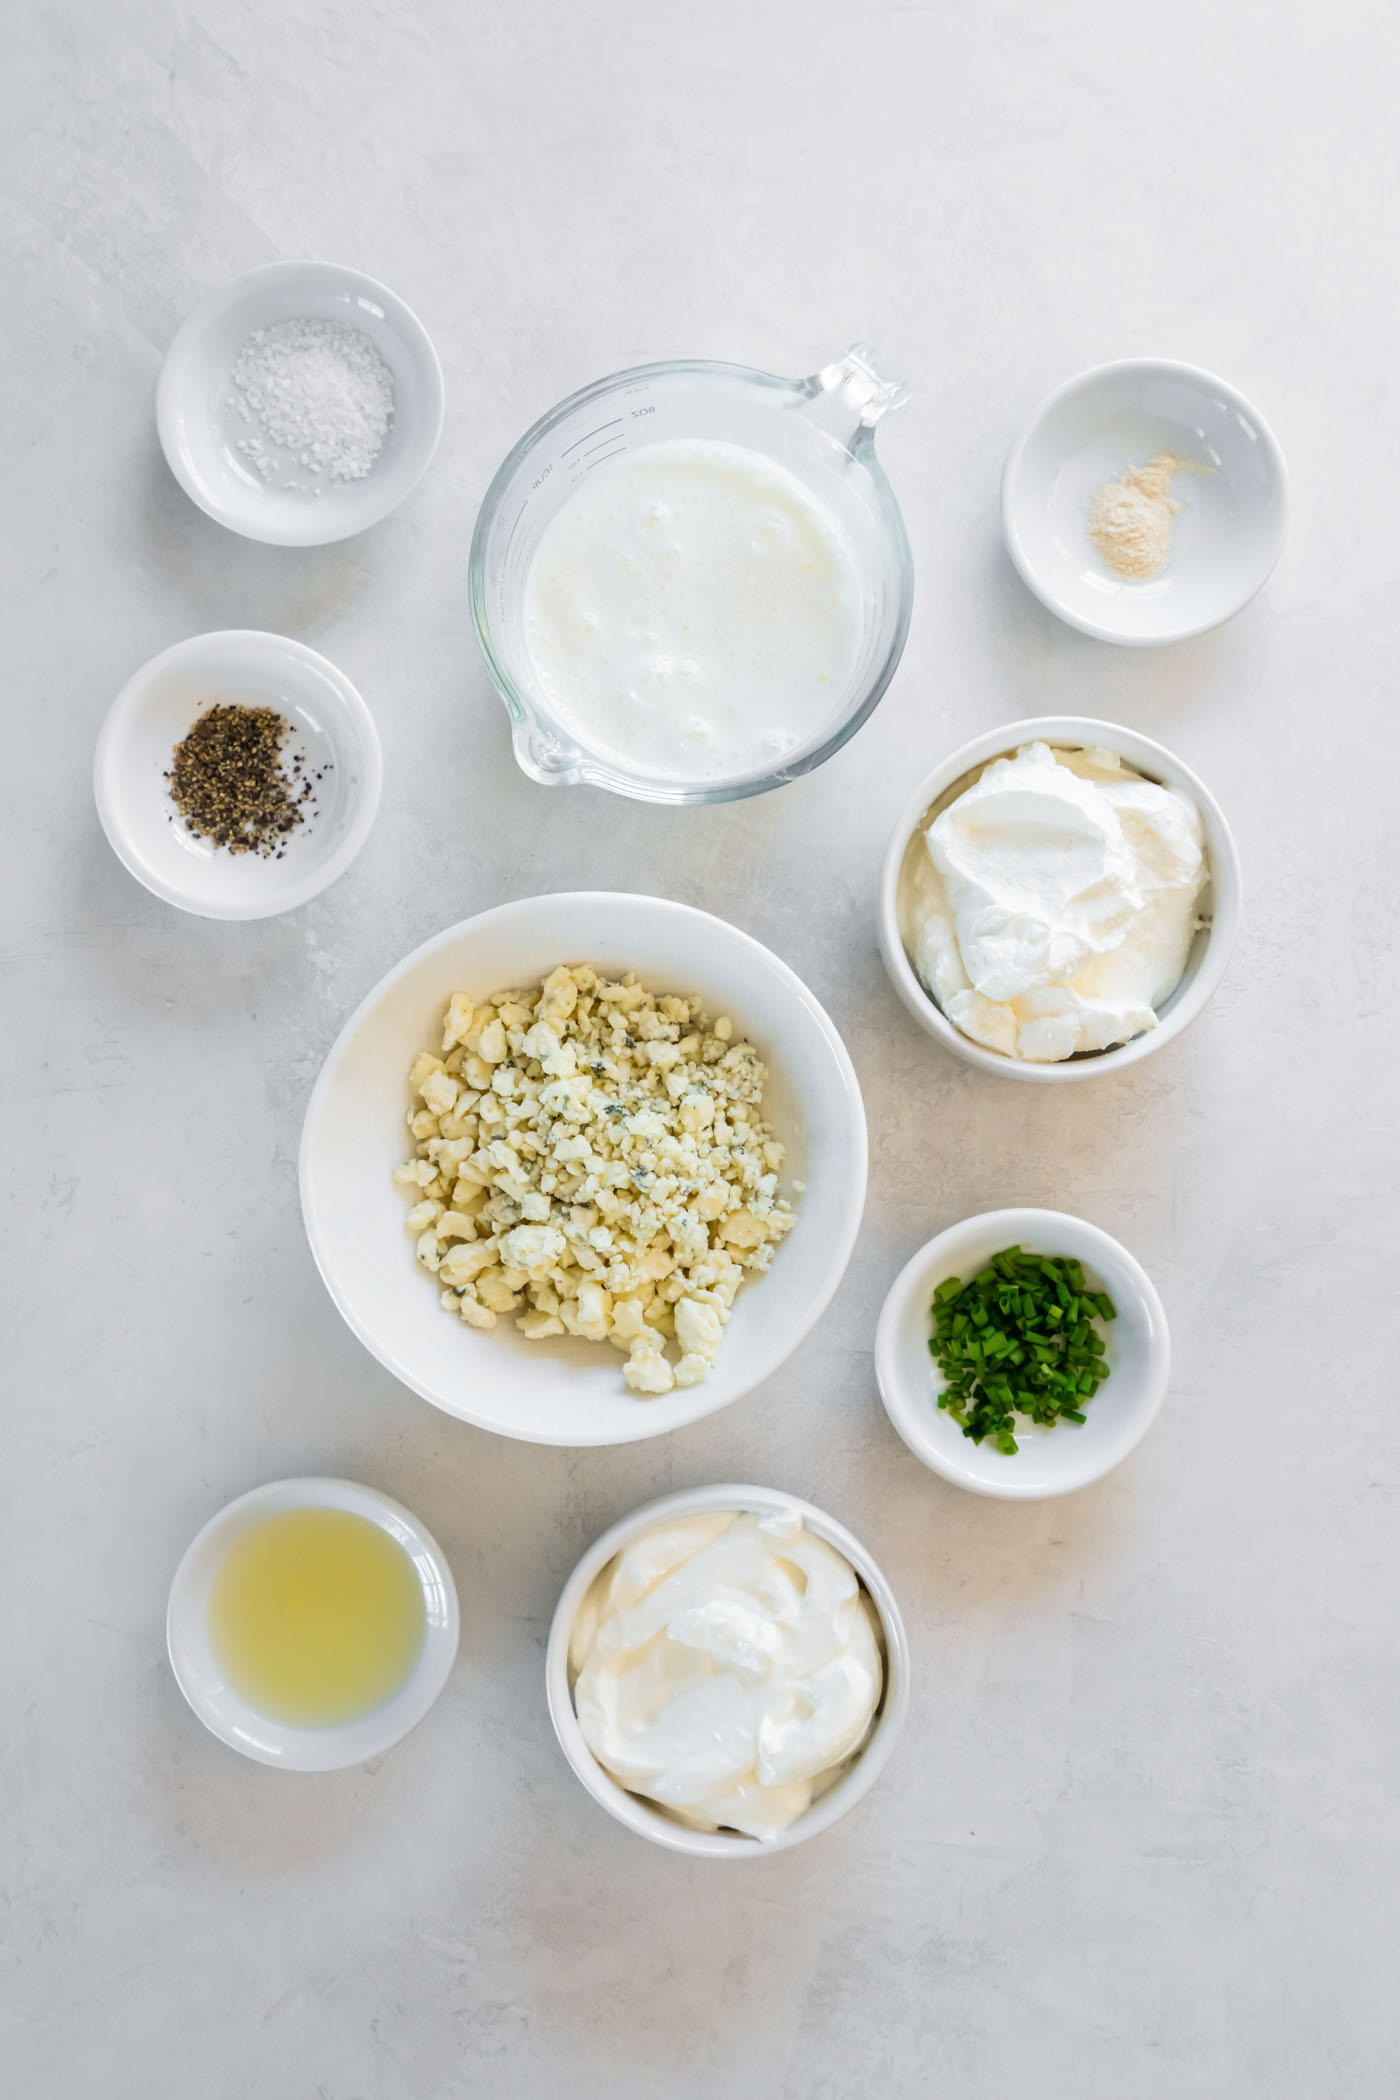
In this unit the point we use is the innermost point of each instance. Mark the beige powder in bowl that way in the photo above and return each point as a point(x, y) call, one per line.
point(1130, 520)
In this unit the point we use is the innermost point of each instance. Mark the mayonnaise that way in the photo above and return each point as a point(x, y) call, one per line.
point(1056, 901)
point(727, 1666)
point(693, 613)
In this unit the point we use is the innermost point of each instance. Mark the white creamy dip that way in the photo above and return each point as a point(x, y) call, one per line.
point(692, 612)
point(1056, 901)
point(727, 1667)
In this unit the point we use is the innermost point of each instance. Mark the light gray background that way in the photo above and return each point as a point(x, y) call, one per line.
point(1140, 1841)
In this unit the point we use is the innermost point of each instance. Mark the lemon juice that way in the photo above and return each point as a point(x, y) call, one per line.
point(316, 1616)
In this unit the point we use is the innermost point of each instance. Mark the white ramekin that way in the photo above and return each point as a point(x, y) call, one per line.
point(1049, 1462)
point(200, 427)
point(222, 1708)
point(1210, 951)
point(643, 1816)
point(1235, 516)
point(157, 708)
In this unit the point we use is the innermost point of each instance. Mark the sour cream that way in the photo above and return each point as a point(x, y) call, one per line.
point(1055, 901)
point(728, 1667)
point(692, 613)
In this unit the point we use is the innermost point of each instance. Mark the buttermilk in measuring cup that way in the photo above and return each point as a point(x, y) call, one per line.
point(692, 612)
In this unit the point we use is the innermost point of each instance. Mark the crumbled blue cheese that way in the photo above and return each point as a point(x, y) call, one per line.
point(593, 1158)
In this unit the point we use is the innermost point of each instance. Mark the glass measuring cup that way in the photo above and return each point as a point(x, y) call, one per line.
point(822, 429)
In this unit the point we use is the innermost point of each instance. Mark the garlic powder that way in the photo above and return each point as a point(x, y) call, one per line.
point(1130, 520)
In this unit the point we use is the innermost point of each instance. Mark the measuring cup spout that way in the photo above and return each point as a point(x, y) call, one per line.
point(849, 397)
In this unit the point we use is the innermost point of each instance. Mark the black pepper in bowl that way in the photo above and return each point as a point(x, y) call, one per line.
point(230, 786)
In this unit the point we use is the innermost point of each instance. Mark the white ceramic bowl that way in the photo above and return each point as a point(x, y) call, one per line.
point(1050, 1461)
point(644, 1816)
point(1210, 951)
point(200, 428)
point(1226, 540)
point(243, 1727)
point(332, 728)
point(564, 1390)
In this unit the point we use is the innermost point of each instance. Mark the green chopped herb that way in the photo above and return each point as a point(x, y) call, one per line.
point(1019, 1338)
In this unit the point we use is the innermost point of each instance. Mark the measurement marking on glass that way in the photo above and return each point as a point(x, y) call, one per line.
point(618, 447)
point(510, 537)
point(589, 434)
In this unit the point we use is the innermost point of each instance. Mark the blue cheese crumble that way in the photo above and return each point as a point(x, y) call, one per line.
point(592, 1158)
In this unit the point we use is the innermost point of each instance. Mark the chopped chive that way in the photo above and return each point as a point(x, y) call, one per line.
point(1021, 1338)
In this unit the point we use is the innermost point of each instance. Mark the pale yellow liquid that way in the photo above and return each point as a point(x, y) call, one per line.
point(316, 1616)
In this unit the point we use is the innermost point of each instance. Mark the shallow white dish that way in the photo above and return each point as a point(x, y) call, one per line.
point(1225, 541)
point(200, 427)
point(564, 1390)
point(331, 727)
point(255, 1734)
point(1210, 951)
point(644, 1816)
point(1050, 1461)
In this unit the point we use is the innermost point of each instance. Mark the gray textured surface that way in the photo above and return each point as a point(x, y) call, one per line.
point(1140, 1839)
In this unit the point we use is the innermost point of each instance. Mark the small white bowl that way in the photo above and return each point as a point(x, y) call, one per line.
point(200, 427)
point(1210, 951)
point(565, 1390)
point(332, 729)
point(644, 1816)
point(243, 1727)
point(1226, 540)
point(1050, 1461)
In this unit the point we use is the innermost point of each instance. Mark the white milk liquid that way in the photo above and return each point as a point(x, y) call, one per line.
point(692, 612)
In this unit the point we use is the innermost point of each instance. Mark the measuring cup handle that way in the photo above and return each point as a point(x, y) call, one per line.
point(850, 396)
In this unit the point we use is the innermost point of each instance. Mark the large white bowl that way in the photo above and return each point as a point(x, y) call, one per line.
point(1225, 542)
point(1210, 951)
point(1052, 1461)
point(200, 428)
point(644, 1816)
point(224, 1711)
point(563, 1390)
point(332, 729)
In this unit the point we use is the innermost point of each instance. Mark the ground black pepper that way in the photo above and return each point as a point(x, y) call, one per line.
point(229, 785)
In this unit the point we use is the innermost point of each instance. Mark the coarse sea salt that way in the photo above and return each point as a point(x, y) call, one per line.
point(318, 390)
